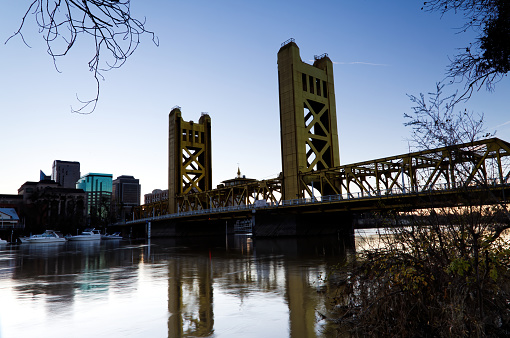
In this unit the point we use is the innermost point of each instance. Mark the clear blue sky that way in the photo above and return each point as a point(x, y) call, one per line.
point(220, 57)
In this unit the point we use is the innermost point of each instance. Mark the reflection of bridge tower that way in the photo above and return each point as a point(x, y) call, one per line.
point(190, 299)
point(309, 138)
point(303, 302)
point(189, 157)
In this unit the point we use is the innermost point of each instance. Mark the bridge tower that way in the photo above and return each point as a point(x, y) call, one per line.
point(309, 137)
point(189, 156)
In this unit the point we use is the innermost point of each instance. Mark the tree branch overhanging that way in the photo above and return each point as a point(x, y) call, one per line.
point(486, 61)
point(109, 23)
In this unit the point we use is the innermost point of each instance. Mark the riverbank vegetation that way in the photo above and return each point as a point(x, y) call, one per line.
point(445, 272)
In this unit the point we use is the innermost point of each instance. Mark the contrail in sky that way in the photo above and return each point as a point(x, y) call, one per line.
point(360, 63)
point(356, 63)
point(503, 124)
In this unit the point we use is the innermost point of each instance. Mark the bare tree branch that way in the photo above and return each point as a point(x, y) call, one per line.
point(108, 22)
point(435, 122)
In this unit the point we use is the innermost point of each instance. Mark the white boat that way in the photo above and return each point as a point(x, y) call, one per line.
point(49, 236)
point(3, 241)
point(115, 235)
point(86, 235)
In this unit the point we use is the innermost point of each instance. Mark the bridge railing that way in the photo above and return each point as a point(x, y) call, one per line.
point(320, 199)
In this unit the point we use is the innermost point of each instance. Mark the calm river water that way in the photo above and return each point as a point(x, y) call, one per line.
point(224, 287)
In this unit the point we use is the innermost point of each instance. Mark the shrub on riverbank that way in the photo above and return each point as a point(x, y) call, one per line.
point(446, 274)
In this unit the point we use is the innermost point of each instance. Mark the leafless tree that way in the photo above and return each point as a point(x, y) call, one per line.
point(107, 22)
point(486, 60)
point(435, 122)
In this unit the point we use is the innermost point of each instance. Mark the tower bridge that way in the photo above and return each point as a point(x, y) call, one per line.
point(314, 193)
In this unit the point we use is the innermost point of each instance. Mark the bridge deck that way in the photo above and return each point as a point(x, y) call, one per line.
point(359, 201)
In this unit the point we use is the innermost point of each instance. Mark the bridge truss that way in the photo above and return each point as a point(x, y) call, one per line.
point(484, 163)
point(266, 192)
point(480, 163)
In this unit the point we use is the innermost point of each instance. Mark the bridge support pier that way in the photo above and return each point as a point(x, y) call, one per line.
point(276, 225)
point(265, 224)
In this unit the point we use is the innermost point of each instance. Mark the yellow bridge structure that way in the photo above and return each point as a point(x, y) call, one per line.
point(313, 187)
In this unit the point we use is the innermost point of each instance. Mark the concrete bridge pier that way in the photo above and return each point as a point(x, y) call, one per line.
point(172, 228)
point(296, 224)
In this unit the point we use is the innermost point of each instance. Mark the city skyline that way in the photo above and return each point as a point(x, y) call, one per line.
point(221, 59)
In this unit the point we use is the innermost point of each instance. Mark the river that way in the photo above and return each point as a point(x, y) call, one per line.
point(209, 287)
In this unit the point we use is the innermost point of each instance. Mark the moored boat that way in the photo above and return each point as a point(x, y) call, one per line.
point(49, 236)
point(115, 235)
point(86, 235)
point(3, 241)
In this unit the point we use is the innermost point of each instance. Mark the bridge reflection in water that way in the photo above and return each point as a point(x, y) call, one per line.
point(270, 287)
point(214, 287)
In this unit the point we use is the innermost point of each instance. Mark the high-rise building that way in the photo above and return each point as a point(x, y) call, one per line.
point(66, 173)
point(98, 188)
point(125, 196)
point(126, 189)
